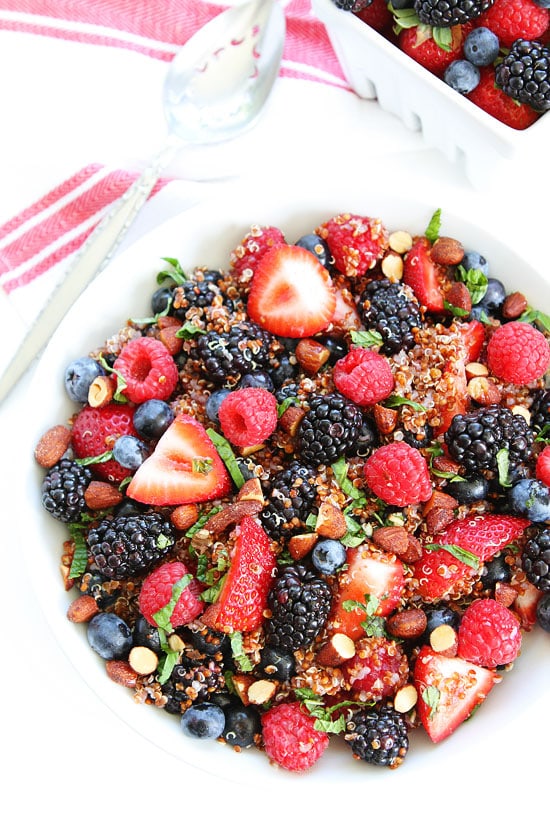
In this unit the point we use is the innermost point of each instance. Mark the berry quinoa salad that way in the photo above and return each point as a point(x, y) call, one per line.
point(308, 497)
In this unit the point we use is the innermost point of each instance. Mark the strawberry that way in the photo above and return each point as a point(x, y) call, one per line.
point(423, 276)
point(454, 374)
point(439, 573)
point(473, 337)
point(184, 468)
point(525, 604)
point(449, 689)
point(419, 44)
point(345, 317)
point(365, 575)
point(243, 596)
point(495, 102)
point(291, 294)
point(94, 432)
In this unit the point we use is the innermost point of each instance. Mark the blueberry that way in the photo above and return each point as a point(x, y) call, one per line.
point(161, 300)
point(543, 4)
point(494, 295)
point(543, 612)
point(403, 4)
point(367, 439)
point(530, 498)
point(109, 636)
point(130, 452)
point(203, 721)
point(79, 375)
point(474, 260)
point(328, 556)
point(152, 418)
point(213, 403)
point(319, 247)
point(469, 490)
point(336, 347)
point(284, 372)
point(496, 570)
point(213, 276)
point(145, 635)
point(277, 664)
point(259, 379)
point(462, 76)
point(437, 616)
point(242, 724)
point(481, 47)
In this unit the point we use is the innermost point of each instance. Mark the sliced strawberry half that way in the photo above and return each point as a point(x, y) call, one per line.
point(449, 689)
point(441, 573)
point(184, 468)
point(473, 336)
point(424, 276)
point(365, 575)
point(291, 294)
point(243, 597)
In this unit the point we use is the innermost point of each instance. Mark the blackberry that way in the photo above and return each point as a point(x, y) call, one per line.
point(476, 439)
point(378, 736)
point(290, 499)
point(330, 429)
point(524, 74)
point(352, 5)
point(192, 682)
point(391, 310)
point(287, 391)
point(540, 411)
point(198, 293)
point(299, 602)
point(536, 560)
point(226, 357)
point(126, 546)
point(63, 490)
point(450, 12)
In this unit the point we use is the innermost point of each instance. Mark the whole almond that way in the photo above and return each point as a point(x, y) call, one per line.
point(184, 516)
point(391, 539)
point(82, 609)
point(438, 518)
point(385, 419)
point(413, 552)
point(121, 673)
point(439, 499)
point(447, 251)
point(52, 446)
point(514, 305)
point(407, 624)
point(458, 296)
point(100, 495)
point(331, 522)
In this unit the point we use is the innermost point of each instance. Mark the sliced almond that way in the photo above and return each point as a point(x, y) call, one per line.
point(251, 491)
point(311, 355)
point(261, 692)
point(143, 660)
point(338, 649)
point(443, 639)
point(232, 514)
point(331, 522)
point(405, 699)
point(385, 419)
point(483, 391)
point(301, 544)
point(291, 419)
point(102, 390)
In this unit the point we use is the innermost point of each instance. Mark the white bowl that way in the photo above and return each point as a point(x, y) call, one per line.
point(204, 236)
point(464, 133)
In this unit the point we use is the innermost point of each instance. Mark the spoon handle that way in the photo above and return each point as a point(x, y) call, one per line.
point(92, 258)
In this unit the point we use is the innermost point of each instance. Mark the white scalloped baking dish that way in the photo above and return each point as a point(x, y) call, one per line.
point(463, 132)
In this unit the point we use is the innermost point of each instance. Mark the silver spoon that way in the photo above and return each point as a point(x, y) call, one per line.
point(215, 89)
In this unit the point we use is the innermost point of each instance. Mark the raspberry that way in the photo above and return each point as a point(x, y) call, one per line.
point(489, 634)
point(95, 430)
point(157, 591)
point(244, 258)
point(496, 103)
point(542, 470)
point(355, 242)
point(363, 376)
point(518, 353)
point(514, 19)
point(148, 370)
point(378, 669)
point(398, 474)
point(290, 738)
point(248, 416)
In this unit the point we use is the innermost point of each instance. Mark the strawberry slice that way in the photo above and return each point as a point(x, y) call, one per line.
point(291, 294)
point(449, 689)
point(184, 468)
point(243, 596)
point(473, 336)
point(365, 575)
point(424, 276)
point(440, 573)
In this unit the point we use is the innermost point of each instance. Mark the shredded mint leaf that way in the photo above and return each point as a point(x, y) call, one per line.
point(284, 405)
point(163, 616)
point(503, 466)
point(431, 696)
point(167, 666)
point(153, 319)
point(324, 717)
point(340, 470)
point(434, 226)
point(373, 625)
point(120, 381)
point(244, 663)
point(80, 556)
point(200, 522)
point(227, 455)
point(176, 272)
point(458, 552)
point(400, 401)
point(536, 316)
point(475, 280)
point(188, 331)
point(366, 338)
point(544, 434)
point(95, 459)
point(212, 593)
point(458, 312)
